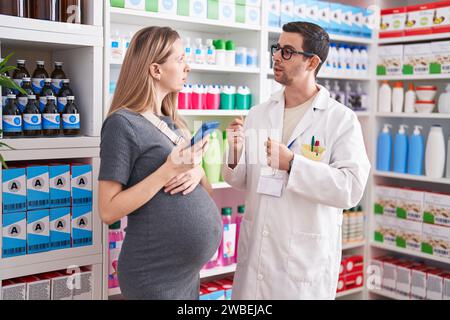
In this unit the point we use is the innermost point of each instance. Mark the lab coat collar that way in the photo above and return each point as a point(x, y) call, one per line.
point(321, 101)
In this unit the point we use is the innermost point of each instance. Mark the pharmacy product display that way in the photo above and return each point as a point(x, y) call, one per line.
point(248, 11)
point(217, 290)
point(414, 59)
point(351, 273)
point(346, 60)
point(46, 207)
point(351, 95)
point(69, 11)
point(413, 220)
point(214, 97)
point(353, 226)
point(409, 279)
point(335, 18)
point(435, 153)
point(47, 108)
point(116, 235)
point(50, 286)
point(414, 20)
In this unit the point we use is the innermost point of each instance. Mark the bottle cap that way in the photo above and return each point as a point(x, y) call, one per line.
point(70, 98)
point(417, 129)
point(26, 79)
point(48, 79)
point(227, 211)
point(402, 128)
point(58, 64)
point(398, 84)
point(21, 61)
point(230, 45)
point(32, 97)
point(40, 63)
point(219, 44)
point(115, 226)
point(11, 96)
point(411, 87)
point(386, 127)
point(241, 209)
point(66, 81)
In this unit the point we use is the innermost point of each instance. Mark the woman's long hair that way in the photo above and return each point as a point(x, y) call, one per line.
point(135, 88)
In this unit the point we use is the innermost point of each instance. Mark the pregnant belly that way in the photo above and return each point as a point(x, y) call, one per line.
point(181, 230)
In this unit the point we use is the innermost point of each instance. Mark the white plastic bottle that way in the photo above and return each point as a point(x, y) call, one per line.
point(333, 59)
point(410, 99)
point(327, 85)
point(341, 60)
point(210, 52)
point(356, 61)
point(435, 153)
point(348, 60)
point(363, 96)
point(398, 95)
point(188, 52)
point(199, 55)
point(384, 97)
point(364, 60)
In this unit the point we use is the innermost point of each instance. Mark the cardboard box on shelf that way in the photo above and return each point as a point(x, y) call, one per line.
point(167, 6)
point(335, 18)
point(390, 60)
point(59, 285)
point(213, 10)
point(37, 288)
point(341, 284)
point(409, 234)
point(83, 289)
point(404, 277)
point(441, 17)
point(392, 22)
point(227, 11)
point(38, 190)
point(82, 226)
point(419, 19)
point(38, 231)
point(353, 264)
point(14, 191)
point(60, 228)
point(214, 292)
point(347, 19)
point(435, 284)
point(409, 204)
point(324, 15)
point(60, 190)
point(13, 290)
point(227, 286)
point(14, 234)
point(354, 280)
point(286, 11)
point(419, 282)
point(417, 59)
point(253, 15)
point(390, 274)
point(385, 201)
point(446, 293)
point(81, 183)
point(436, 240)
point(386, 230)
point(440, 63)
point(437, 209)
point(274, 12)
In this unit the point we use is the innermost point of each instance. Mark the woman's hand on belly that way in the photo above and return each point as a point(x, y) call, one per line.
point(185, 182)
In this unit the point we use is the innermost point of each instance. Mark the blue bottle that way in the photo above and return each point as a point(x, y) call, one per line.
point(401, 150)
point(384, 146)
point(416, 152)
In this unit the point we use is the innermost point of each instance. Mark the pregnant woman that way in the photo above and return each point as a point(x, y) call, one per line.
point(174, 226)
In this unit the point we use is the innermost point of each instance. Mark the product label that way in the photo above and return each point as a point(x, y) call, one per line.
point(37, 84)
point(62, 102)
point(56, 85)
point(42, 103)
point(229, 240)
point(19, 83)
point(71, 121)
point(37, 187)
point(114, 44)
point(51, 121)
point(22, 103)
point(32, 122)
point(60, 228)
point(81, 185)
point(60, 188)
point(12, 123)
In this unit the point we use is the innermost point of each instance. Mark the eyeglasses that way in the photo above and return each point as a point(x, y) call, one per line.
point(287, 53)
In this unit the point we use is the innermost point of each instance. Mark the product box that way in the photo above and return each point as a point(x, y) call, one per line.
point(419, 282)
point(81, 184)
point(386, 201)
point(389, 274)
point(38, 191)
point(167, 6)
point(300, 10)
point(375, 273)
point(354, 280)
point(38, 231)
point(213, 292)
point(81, 226)
point(13, 290)
point(368, 23)
point(409, 204)
point(440, 62)
point(60, 186)
point(446, 295)
point(192, 8)
point(409, 234)
point(253, 15)
point(312, 11)
point(441, 17)
point(352, 264)
point(84, 291)
point(274, 13)
point(392, 22)
point(404, 278)
point(287, 11)
point(341, 284)
point(435, 284)
point(390, 60)
point(240, 13)
point(324, 15)
point(37, 288)
point(203, 294)
point(227, 286)
point(347, 19)
point(357, 22)
point(14, 234)
point(419, 19)
point(335, 18)
point(213, 9)
point(436, 240)
point(59, 285)
point(227, 11)
point(148, 5)
point(417, 59)
point(14, 194)
point(60, 228)
point(437, 209)
point(386, 230)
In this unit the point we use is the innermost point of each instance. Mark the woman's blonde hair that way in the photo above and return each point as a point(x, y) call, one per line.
point(135, 88)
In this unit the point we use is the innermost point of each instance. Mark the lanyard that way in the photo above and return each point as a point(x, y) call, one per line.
point(162, 126)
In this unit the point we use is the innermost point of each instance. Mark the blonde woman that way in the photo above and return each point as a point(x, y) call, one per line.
point(174, 227)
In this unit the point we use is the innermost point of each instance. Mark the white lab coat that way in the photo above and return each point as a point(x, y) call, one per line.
point(290, 247)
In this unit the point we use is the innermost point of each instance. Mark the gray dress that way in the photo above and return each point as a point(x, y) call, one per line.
point(169, 238)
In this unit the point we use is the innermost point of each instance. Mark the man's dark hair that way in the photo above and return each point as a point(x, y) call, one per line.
point(315, 39)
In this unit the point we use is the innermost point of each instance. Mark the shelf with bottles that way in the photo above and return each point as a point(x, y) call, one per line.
point(56, 65)
point(83, 26)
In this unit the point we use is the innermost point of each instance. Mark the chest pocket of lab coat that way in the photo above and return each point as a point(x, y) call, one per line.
point(321, 153)
point(309, 257)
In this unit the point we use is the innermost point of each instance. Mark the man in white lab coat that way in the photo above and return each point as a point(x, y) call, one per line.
point(301, 159)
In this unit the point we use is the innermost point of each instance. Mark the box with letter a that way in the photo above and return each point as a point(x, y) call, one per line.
point(81, 226)
point(59, 185)
point(60, 228)
point(14, 190)
point(14, 234)
point(81, 184)
point(38, 231)
point(37, 187)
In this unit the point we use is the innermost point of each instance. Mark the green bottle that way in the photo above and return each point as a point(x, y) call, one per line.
point(212, 159)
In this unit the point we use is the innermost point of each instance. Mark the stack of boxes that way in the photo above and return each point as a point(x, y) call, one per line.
point(351, 273)
point(415, 20)
point(58, 285)
point(46, 207)
point(409, 279)
point(217, 290)
point(414, 59)
point(335, 18)
point(353, 226)
point(227, 11)
point(413, 220)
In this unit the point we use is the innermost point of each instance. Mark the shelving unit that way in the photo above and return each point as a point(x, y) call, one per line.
point(80, 47)
point(411, 253)
point(415, 77)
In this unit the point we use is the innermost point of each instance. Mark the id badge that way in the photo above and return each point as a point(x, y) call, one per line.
point(270, 183)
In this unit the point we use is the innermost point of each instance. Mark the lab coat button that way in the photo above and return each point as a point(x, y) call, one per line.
point(260, 277)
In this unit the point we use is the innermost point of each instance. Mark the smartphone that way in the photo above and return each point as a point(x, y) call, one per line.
point(206, 129)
